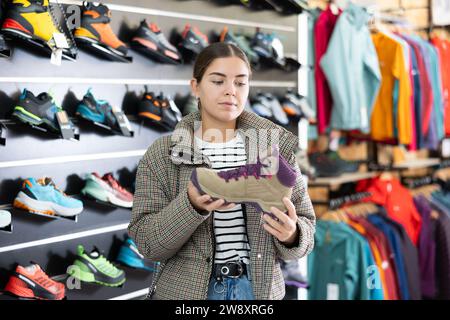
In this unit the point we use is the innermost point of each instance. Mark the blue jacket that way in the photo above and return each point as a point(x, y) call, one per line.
point(352, 70)
point(395, 243)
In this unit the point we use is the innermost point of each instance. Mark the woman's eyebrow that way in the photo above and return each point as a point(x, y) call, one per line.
point(224, 75)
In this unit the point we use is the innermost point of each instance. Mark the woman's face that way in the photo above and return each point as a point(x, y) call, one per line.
point(223, 90)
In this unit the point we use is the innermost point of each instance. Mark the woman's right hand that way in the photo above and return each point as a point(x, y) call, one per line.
point(204, 202)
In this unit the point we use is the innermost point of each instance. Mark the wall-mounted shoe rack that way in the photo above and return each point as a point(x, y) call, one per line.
point(29, 153)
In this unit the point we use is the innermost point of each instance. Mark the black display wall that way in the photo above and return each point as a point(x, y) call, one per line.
point(29, 153)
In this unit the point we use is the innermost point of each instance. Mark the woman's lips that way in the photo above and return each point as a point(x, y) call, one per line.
point(228, 105)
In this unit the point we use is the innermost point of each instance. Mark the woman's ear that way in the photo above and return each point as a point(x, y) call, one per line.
point(194, 87)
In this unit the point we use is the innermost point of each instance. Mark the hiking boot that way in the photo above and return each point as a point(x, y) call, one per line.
point(262, 185)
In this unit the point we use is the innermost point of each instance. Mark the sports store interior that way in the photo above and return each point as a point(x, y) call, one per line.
point(363, 84)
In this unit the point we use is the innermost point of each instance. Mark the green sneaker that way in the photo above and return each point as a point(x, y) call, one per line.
point(94, 267)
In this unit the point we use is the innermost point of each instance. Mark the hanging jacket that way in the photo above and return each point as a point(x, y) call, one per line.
point(425, 83)
point(395, 244)
point(411, 258)
point(322, 33)
point(397, 201)
point(337, 266)
point(427, 248)
point(443, 48)
point(351, 67)
point(393, 67)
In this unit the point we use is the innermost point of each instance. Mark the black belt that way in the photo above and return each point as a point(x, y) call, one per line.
point(232, 269)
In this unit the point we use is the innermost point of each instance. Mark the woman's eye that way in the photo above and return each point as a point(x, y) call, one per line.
point(217, 82)
point(241, 84)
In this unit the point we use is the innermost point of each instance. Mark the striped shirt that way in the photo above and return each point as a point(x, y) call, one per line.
point(229, 225)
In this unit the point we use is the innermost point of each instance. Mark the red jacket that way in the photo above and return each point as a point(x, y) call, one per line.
point(397, 201)
point(322, 33)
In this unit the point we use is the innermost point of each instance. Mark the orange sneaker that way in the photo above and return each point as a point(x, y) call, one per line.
point(31, 282)
point(95, 31)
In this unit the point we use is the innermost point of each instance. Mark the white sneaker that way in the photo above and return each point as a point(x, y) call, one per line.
point(5, 219)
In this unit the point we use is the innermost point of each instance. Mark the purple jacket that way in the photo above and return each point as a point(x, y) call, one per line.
point(427, 248)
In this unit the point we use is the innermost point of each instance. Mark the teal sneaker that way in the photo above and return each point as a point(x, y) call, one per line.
point(131, 257)
point(44, 197)
point(95, 268)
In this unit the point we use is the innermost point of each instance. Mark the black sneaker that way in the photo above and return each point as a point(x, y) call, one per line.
point(149, 40)
point(193, 40)
point(261, 44)
point(37, 111)
point(99, 111)
point(288, 6)
point(330, 164)
point(256, 4)
point(157, 109)
point(270, 48)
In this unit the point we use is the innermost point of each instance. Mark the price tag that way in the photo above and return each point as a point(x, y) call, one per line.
point(60, 40)
point(124, 124)
point(446, 148)
point(332, 291)
point(64, 125)
point(56, 57)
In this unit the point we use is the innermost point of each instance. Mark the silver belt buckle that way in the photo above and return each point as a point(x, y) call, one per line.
point(225, 270)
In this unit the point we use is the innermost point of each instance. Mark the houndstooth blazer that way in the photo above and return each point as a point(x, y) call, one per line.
point(166, 227)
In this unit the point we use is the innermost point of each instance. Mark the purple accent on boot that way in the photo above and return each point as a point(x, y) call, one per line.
point(286, 174)
point(297, 284)
point(194, 180)
point(244, 171)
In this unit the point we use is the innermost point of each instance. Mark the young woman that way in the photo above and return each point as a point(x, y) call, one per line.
point(209, 249)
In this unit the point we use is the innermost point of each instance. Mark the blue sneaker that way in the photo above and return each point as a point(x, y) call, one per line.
point(130, 256)
point(97, 111)
point(43, 197)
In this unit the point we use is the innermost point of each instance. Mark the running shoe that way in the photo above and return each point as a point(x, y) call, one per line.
point(33, 283)
point(157, 109)
point(96, 33)
point(93, 267)
point(5, 218)
point(32, 20)
point(297, 106)
point(261, 106)
point(193, 40)
point(37, 111)
point(149, 40)
point(43, 197)
point(99, 111)
point(107, 189)
point(241, 42)
point(130, 256)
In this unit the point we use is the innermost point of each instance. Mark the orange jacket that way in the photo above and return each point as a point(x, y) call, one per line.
point(393, 67)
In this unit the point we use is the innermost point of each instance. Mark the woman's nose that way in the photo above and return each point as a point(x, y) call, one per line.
point(230, 90)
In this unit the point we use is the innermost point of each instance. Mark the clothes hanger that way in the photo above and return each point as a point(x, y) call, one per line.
point(333, 7)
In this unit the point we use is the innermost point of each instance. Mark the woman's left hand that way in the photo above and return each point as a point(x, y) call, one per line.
point(285, 229)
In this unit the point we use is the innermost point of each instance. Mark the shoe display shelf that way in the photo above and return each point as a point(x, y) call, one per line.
point(19, 126)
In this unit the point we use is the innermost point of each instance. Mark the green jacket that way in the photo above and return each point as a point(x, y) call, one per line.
point(167, 228)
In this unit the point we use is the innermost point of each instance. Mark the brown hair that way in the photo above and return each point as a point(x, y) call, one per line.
point(214, 51)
